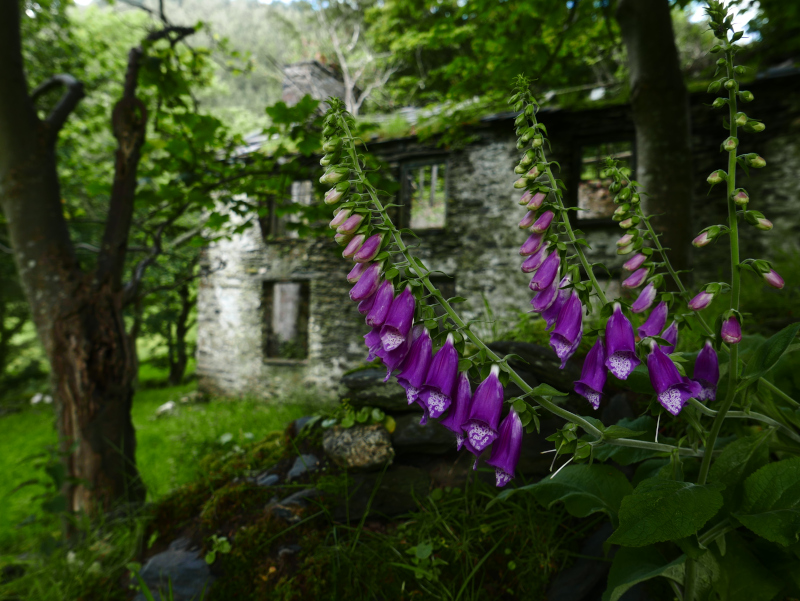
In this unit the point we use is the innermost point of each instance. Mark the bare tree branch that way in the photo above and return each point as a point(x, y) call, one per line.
point(69, 100)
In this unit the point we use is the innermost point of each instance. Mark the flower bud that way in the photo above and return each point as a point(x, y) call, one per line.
point(730, 84)
point(525, 198)
point(740, 119)
point(635, 262)
point(746, 96)
point(332, 145)
point(335, 194)
point(536, 201)
point(543, 222)
point(645, 299)
point(636, 279)
point(534, 261)
point(527, 158)
point(528, 220)
point(627, 223)
point(340, 217)
point(351, 224)
point(626, 250)
point(730, 144)
point(716, 48)
point(521, 183)
point(719, 103)
point(352, 247)
point(702, 240)
point(763, 224)
point(701, 301)
point(624, 194)
point(622, 210)
point(731, 330)
point(717, 177)
point(357, 271)
point(740, 197)
point(773, 278)
point(755, 126)
point(714, 87)
point(331, 157)
point(520, 169)
point(343, 239)
point(369, 249)
point(535, 172)
point(625, 240)
point(335, 175)
point(531, 245)
point(755, 161)
point(538, 140)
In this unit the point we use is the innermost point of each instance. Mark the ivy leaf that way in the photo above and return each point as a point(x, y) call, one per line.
point(736, 463)
point(632, 566)
point(772, 502)
point(661, 510)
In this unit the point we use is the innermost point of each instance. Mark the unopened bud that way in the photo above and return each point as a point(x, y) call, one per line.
point(731, 330)
point(701, 301)
point(636, 279)
point(773, 278)
point(717, 177)
point(335, 194)
point(755, 161)
point(730, 144)
point(528, 220)
point(625, 240)
point(740, 197)
point(340, 217)
point(543, 223)
point(527, 158)
point(529, 133)
point(716, 48)
point(331, 157)
point(730, 84)
point(525, 198)
point(635, 262)
point(343, 239)
point(334, 175)
point(622, 210)
point(707, 236)
point(755, 126)
point(351, 224)
point(538, 140)
point(624, 194)
point(714, 87)
point(763, 224)
point(520, 169)
point(746, 96)
point(332, 145)
point(626, 250)
point(719, 103)
point(520, 183)
point(536, 201)
point(740, 119)
point(627, 223)
point(536, 171)
point(352, 247)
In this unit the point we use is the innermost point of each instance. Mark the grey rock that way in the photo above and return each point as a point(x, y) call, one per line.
point(395, 492)
point(303, 464)
point(288, 550)
point(267, 479)
point(361, 448)
point(180, 567)
point(299, 498)
point(367, 388)
point(411, 437)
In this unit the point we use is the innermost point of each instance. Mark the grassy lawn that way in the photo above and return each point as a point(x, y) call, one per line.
point(168, 449)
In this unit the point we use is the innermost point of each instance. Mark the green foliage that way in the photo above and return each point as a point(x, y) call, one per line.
point(632, 566)
point(771, 506)
point(736, 463)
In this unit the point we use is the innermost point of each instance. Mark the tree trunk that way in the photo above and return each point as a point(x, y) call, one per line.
point(660, 105)
point(178, 368)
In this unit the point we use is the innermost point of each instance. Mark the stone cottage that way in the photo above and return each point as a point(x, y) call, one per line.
point(278, 313)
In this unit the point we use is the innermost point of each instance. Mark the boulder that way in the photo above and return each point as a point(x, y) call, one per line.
point(366, 388)
point(303, 464)
point(395, 492)
point(181, 567)
point(360, 448)
point(411, 437)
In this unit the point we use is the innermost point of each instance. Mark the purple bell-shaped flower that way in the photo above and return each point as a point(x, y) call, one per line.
point(672, 389)
point(484, 413)
point(437, 392)
point(731, 330)
point(636, 279)
point(398, 321)
point(369, 249)
point(671, 336)
point(550, 315)
point(593, 374)
point(506, 449)
point(546, 273)
point(381, 305)
point(367, 283)
point(635, 262)
point(567, 334)
point(353, 246)
point(655, 323)
point(415, 367)
point(459, 409)
point(621, 357)
point(533, 262)
point(394, 358)
point(706, 372)
point(365, 306)
point(531, 245)
point(543, 223)
point(546, 298)
point(645, 300)
point(356, 273)
point(373, 341)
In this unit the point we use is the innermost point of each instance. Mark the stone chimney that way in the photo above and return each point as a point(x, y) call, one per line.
point(310, 77)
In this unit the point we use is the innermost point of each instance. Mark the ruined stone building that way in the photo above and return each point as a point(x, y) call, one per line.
point(278, 313)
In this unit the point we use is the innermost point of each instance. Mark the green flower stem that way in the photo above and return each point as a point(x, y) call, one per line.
point(713, 533)
point(744, 415)
point(777, 391)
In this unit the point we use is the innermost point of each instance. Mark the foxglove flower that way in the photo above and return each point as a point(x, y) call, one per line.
point(367, 283)
point(393, 358)
point(536, 201)
point(645, 300)
point(546, 298)
point(621, 357)
point(381, 305)
point(593, 374)
point(547, 272)
point(369, 249)
point(351, 224)
point(550, 315)
point(773, 278)
point(484, 413)
point(701, 301)
point(568, 332)
point(437, 392)
point(459, 409)
point(416, 365)
point(356, 273)
point(398, 321)
point(635, 262)
point(528, 220)
point(339, 218)
point(637, 279)
point(704, 239)
point(672, 389)
point(506, 449)
point(365, 306)
point(706, 372)
point(535, 261)
point(731, 330)
point(543, 223)
point(531, 245)
point(671, 336)
point(655, 323)
point(525, 198)
point(353, 246)
point(373, 341)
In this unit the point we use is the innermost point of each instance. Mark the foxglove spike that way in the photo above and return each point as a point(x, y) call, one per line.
point(437, 392)
point(381, 305)
point(528, 220)
point(671, 336)
point(621, 357)
point(731, 330)
point(543, 223)
point(593, 374)
point(531, 245)
point(351, 224)
point(459, 409)
point(672, 389)
point(637, 279)
point(635, 262)
point(369, 249)
point(701, 301)
point(567, 335)
point(356, 273)
point(365, 306)
point(339, 218)
point(415, 367)
point(547, 272)
point(773, 278)
point(546, 298)
point(398, 321)
point(645, 300)
point(706, 372)
point(506, 449)
point(484, 413)
point(655, 323)
point(550, 315)
point(535, 261)
point(367, 283)
point(353, 246)
point(536, 201)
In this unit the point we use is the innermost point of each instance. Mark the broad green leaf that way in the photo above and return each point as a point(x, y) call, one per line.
point(584, 490)
point(736, 462)
point(742, 577)
point(547, 390)
point(770, 351)
point(661, 510)
point(632, 566)
point(772, 502)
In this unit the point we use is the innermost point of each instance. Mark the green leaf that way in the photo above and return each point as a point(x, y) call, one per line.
point(661, 510)
point(617, 431)
point(742, 577)
point(772, 502)
point(736, 463)
point(632, 566)
point(584, 490)
point(770, 351)
point(547, 390)
point(629, 455)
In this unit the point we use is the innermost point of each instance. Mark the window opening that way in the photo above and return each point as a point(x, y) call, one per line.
point(425, 195)
point(594, 198)
point(278, 213)
point(285, 319)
